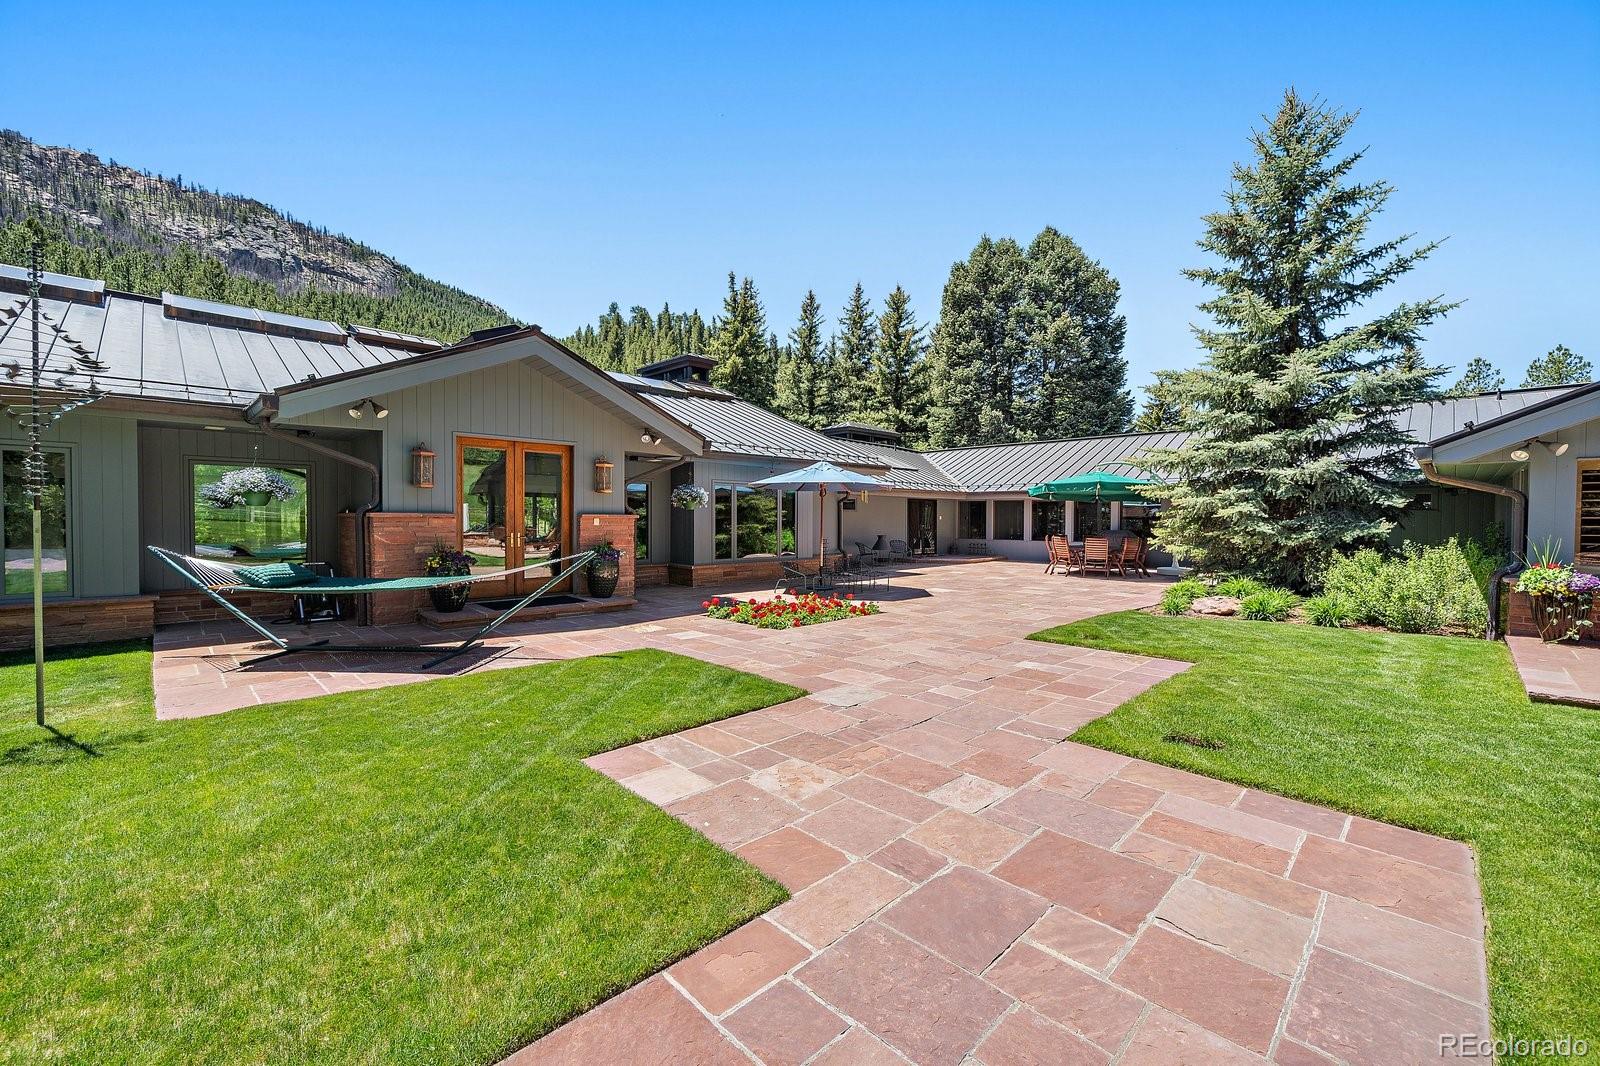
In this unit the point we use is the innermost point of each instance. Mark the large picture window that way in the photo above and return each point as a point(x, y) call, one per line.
point(1138, 519)
point(1091, 518)
point(1008, 520)
point(254, 529)
point(974, 520)
point(16, 518)
point(753, 522)
point(639, 504)
point(1049, 519)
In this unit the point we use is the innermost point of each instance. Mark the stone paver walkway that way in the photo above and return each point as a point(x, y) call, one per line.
point(968, 887)
point(1558, 672)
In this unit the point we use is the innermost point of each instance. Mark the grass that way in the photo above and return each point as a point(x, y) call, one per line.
point(1434, 733)
point(424, 873)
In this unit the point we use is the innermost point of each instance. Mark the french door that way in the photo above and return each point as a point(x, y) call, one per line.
point(922, 526)
point(514, 507)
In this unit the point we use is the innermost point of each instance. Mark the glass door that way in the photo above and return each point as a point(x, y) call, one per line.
point(922, 526)
point(515, 509)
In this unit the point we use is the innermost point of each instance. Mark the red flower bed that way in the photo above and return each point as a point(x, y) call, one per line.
point(788, 611)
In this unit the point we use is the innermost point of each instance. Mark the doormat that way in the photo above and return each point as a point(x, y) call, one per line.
point(544, 601)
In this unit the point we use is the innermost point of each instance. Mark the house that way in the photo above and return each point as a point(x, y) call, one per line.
point(508, 444)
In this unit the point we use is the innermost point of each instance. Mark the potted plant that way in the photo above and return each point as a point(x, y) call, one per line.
point(252, 486)
point(1561, 598)
point(446, 561)
point(217, 495)
point(690, 497)
point(604, 570)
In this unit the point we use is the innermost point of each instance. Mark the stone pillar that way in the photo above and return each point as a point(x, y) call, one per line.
point(596, 529)
point(398, 545)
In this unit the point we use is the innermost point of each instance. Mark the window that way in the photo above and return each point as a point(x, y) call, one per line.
point(1049, 519)
point(750, 522)
point(974, 520)
point(1588, 551)
point(1138, 519)
point(1091, 518)
point(253, 530)
point(1008, 520)
point(639, 504)
point(17, 522)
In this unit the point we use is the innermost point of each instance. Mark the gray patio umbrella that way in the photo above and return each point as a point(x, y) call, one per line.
point(821, 478)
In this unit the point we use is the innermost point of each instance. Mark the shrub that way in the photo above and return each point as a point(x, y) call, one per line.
point(1420, 590)
point(1239, 588)
point(1180, 595)
point(1329, 611)
point(1268, 605)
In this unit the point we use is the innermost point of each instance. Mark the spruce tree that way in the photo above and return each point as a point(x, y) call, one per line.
point(1163, 411)
point(1073, 380)
point(740, 347)
point(1479, 375)
point(851, 360)
point(898, 381)
point(805, 387)
point(979, 346)
point(1560, 366)
point(1297, 452)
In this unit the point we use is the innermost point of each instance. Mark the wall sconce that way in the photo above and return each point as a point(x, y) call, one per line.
point(422, 467)
point(602, 474)
point(357, 409)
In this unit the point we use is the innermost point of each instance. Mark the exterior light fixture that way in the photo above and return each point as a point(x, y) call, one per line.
point(358, 408)
point(1522, 452)
point(355, 411)
point(422, 467)
point(378, 409)
point(649, 438)
point(602, 474)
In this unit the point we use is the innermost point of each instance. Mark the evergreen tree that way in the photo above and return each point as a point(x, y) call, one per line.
point(1073, 381)
point(1163, 410)
point(805, 386)
point(899, 390)
point(1560, 366)
point(739, 344)
point(1297, 453)
point(1479, 375)
point(979, 346)
point(851, 358)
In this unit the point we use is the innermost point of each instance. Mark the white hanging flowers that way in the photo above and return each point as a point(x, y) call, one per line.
point(690, 497)
point(255, 486)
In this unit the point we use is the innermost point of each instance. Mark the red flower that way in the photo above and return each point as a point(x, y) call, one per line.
point(797, 623)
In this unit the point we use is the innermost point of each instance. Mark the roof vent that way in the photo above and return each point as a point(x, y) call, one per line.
point(863, 433)
point(388, 338)
point(491, 333)
point(211, 312)
point(54, 286)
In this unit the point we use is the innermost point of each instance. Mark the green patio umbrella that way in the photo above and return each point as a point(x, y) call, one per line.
point(1097, 485)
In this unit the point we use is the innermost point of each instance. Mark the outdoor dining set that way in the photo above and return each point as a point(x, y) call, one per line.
point(1103, 554)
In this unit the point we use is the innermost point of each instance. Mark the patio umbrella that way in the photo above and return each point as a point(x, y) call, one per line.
point(820, 478)
point(1098, 485)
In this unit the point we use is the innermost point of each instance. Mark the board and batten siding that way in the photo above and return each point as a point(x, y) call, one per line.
point(103, 516)
point(708, 473)
point(514, 401)
point(1552, 486)
point(166, 455)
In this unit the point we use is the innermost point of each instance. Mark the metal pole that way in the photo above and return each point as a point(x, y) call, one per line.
point(38, 616)
point(35, 476)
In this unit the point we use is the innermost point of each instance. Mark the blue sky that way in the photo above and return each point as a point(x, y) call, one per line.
point(555, 159)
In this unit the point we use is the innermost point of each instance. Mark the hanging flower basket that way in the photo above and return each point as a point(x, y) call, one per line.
point(690, 497)
point(249, 486)
point(1561, 600)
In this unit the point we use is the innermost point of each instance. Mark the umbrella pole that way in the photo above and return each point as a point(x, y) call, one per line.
point(822, 496)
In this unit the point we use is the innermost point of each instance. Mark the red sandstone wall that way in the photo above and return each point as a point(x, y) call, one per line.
point(595, 529)
point(79, 622)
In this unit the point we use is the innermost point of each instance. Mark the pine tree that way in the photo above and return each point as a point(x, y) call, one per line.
point(899, 389)
point(739, 345)
point(805, 386)
point(978, 347)
point(851, 358)
point(1297, 453)
point(1478, 376)
point(1560, 366)
point(1073, 381)
point(1163, 410)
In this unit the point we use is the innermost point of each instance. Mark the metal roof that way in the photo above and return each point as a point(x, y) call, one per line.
point(1429, 422)
point(908, 469)
point(1014, 467)
point(152, 356)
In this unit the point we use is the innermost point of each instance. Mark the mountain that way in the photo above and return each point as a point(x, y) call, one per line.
point(147, 233)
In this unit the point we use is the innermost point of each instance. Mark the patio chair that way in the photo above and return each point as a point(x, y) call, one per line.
point(804, 580)
point(1097, 555)
point(1060, 554)
point(899, 551)
point(1133, 556)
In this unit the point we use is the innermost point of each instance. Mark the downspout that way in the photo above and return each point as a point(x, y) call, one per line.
point(263, 422)
point(1519, 526)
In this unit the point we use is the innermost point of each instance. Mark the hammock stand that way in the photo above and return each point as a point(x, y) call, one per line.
point(215, 578)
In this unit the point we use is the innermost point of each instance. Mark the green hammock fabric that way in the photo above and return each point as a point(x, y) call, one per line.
point(335, 586)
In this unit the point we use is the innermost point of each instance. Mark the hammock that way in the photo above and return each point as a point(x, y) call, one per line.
point(213, 578)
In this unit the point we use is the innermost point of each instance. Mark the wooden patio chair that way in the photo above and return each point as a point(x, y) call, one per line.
point(1134, 551)
point(1060, 554)
point(1097, 555)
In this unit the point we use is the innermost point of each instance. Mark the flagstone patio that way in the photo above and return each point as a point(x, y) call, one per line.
point(967, 886)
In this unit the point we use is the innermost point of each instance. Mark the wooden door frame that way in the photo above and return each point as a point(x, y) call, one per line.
point(516, 467)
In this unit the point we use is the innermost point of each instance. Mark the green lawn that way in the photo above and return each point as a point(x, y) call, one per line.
point(1434, 733)
point(418, 874)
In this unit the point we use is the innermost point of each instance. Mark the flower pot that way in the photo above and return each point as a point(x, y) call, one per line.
point(257, 499)
point(1560, 617)
point(447, 599)
point(603, 577)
